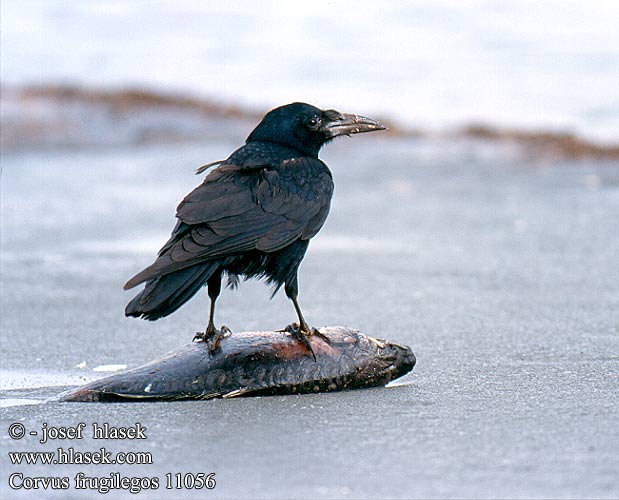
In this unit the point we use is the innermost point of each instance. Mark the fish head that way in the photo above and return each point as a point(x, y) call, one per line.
point(391, 360)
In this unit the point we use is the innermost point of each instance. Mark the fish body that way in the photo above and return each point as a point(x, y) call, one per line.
point(256, 364)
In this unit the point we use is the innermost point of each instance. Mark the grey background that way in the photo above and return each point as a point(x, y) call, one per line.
point(500, 273)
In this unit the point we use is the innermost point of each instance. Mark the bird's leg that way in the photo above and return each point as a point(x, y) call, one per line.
point(303, 326)
point(212, 336)
point(303, 331)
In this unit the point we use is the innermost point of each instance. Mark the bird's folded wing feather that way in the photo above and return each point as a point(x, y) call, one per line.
point(237, 209)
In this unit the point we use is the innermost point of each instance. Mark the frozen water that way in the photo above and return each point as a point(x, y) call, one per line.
point(501, 275)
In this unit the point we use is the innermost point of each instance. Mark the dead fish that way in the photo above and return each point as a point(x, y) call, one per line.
point(256, 364)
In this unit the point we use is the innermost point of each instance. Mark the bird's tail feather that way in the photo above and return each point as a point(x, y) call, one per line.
point(165, 294)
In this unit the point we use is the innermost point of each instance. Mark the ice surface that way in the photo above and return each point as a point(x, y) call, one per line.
point(501, 275)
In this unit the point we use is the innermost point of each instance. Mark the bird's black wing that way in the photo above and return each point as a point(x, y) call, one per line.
point(238, 209)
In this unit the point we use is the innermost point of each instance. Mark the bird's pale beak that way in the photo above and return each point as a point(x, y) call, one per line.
point(344, 124)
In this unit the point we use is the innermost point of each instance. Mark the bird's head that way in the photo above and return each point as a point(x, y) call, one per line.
point(306, 128)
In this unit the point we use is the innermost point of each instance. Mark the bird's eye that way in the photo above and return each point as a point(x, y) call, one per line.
point(312, 123)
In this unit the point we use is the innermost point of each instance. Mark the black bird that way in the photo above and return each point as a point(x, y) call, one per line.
point(252, 217)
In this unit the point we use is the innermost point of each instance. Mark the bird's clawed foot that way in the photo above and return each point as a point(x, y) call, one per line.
point(212, 336)
point(302, 332)
point(317, 332)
